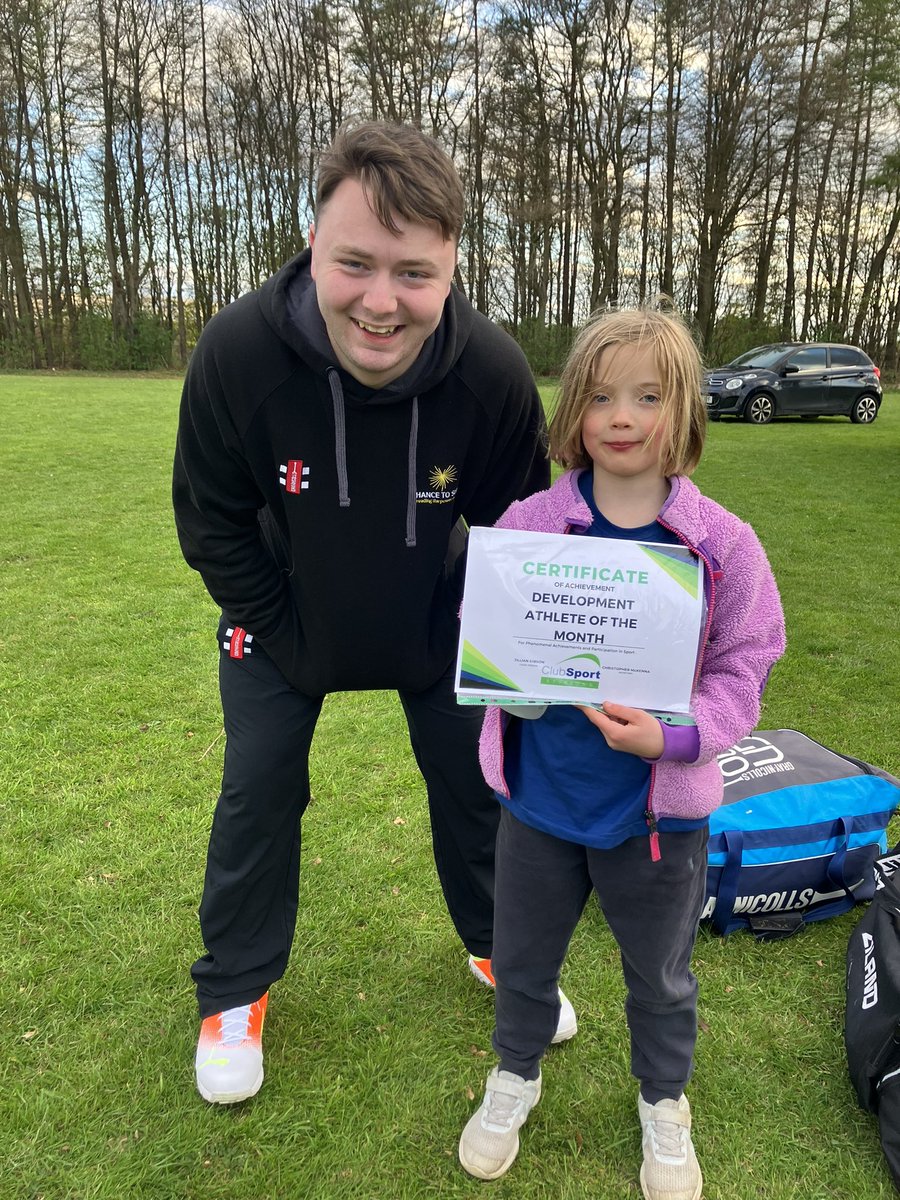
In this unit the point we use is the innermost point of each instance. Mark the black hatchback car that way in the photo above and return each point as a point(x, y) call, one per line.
point(791, 379)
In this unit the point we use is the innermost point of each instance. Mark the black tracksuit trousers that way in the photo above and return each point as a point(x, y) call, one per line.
point(249, 906)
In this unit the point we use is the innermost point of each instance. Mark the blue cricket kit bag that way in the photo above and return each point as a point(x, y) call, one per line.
point(797, 834)
point(872, 1020)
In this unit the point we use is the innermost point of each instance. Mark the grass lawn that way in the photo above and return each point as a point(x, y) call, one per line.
point(377, 1039)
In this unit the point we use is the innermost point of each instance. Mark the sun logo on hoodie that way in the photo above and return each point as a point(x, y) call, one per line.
point(441, 485)
point(441, 477)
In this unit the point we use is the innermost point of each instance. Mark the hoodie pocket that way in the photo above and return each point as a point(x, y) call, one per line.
point(275, 541)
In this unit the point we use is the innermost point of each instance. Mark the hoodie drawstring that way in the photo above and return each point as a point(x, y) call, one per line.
point(411, 475)
point(340, 437)
point(340, 454)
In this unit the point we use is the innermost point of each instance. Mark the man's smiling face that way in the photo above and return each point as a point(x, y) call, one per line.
point(380, 294)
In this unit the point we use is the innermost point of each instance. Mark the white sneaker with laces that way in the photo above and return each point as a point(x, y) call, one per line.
point(670, 1170)
point(566, 1026)
point(490, 1140)
point(229, 1059)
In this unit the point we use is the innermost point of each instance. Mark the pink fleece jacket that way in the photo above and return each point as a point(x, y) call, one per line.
point(743, 638)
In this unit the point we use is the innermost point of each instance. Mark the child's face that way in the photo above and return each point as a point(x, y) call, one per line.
point(624, 412)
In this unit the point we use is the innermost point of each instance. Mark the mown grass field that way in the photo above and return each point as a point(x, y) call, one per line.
point(377, 1039)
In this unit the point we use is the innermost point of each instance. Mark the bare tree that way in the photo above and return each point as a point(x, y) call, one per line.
point(157, 157)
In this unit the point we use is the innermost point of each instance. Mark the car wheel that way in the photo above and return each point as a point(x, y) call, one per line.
point(864, 410)
point(760, 409)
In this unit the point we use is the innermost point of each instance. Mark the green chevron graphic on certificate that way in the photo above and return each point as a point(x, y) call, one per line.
point(562, 619)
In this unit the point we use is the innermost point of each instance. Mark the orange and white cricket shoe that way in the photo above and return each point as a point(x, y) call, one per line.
point(566, 1026)
point(229, 1061)
point(481, 969)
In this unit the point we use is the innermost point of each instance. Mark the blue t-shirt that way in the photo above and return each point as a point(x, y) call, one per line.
point(563, 778)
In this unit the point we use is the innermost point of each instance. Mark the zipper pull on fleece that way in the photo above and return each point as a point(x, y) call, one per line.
point(650, 818)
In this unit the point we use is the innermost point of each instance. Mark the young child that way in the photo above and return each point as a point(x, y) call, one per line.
point(617, 800)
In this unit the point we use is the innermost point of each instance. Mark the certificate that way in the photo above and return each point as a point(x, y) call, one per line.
point(563, 619)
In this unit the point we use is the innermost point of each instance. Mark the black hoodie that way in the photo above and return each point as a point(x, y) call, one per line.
point(319, 512)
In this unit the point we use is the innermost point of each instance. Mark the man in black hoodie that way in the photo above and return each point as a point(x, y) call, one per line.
point(337, 427)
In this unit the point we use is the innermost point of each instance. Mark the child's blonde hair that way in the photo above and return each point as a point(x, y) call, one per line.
point(682, 429)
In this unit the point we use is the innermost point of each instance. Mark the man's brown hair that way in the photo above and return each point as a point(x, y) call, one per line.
point(403, 172)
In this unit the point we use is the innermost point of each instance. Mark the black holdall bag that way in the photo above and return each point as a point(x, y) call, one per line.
point(796, 836)
point(872, 1021)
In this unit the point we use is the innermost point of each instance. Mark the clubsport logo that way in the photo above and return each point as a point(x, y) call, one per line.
point(582, 671)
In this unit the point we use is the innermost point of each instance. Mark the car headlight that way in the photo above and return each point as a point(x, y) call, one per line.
point(732, 385)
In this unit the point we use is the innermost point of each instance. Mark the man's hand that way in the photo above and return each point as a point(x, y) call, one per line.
point(631, 730)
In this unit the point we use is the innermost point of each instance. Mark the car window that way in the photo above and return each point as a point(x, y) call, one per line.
point(762, 356)
point(810, 358)
point(846, 356)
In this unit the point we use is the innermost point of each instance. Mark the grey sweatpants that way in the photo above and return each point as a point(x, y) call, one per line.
point(653, 910)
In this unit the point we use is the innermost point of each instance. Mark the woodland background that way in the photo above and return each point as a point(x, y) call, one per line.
point(157, 158)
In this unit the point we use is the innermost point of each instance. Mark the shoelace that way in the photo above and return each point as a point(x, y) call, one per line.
point(500, 1111)
point(669, 1139)
point(234, 1024)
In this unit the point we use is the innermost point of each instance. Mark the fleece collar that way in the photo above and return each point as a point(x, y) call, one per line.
point(682, 509)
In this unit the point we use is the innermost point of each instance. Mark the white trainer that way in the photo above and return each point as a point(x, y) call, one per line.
point(566, 1026)
point(670, 1170)
point(229, 1059)
point(490, 1140)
